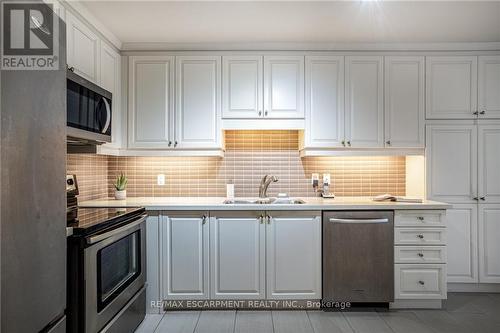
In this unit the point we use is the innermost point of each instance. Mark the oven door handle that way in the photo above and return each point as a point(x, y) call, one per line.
point(98, 238)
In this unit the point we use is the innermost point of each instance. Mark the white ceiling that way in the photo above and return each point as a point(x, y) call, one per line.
point(299, 21)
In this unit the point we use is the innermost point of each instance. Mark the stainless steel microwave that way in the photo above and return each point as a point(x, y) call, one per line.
point(89, 112)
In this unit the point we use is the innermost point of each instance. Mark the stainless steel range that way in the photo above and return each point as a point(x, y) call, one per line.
point(106, 268)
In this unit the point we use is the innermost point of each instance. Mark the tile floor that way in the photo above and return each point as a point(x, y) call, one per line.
point(463, 313)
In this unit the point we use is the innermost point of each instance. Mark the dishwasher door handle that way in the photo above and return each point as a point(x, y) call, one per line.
point(364, 221)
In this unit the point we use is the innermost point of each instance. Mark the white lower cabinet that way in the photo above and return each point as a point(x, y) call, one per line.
point(489, 246)
point(462, 243)
point(185, 255)
point(293, 244)
point(422, 281)
point(237, 255)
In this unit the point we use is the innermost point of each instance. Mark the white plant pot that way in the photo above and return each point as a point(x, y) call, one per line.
point(120, 195)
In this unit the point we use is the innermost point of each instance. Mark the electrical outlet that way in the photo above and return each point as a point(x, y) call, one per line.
point(160, 179)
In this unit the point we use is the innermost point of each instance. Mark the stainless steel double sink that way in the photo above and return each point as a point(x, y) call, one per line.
point(264, 201)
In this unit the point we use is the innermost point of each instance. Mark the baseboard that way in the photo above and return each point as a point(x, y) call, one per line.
point(474, 287)
point(416, 304)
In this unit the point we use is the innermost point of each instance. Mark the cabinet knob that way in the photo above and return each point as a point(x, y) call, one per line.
point(420, 236)
point(475, 198)
point(175, 144)
point(421, 282)
point(349, 143)
point(388, 142)
point(265, 113)
point(482, 198)
point(420, 218)
point(421, 255)
point(260, 113)
point(475, 113)
point(482, 112)
point(203, 219)
point(71, 69)
point(169, 143)
point(343, 143)
point(268, 218)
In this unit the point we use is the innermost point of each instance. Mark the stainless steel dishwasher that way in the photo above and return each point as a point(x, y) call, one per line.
point(358, 256)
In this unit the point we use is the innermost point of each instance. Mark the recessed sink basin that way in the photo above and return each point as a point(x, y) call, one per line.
point(267, 201)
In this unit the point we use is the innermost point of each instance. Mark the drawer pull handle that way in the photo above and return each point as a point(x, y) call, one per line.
point(420, 218)
point(421, 282)
point(421, 255)
point(420, 236)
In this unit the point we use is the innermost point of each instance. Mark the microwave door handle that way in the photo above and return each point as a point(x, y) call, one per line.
point(108, 115)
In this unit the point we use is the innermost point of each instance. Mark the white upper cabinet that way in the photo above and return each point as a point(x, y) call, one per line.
point(489, 246)
point(238, 255)
point(451, 87)
point(82, 48)
point(110, 79)
point(489, 87)
point(185, 253)
point(462, 249)
point(364, 104)
point(489, 162)
point(151, 80)
point(293, 256)
point(242, 87)
point(324, 101)
point(404, 101)
point(198, 89)
point(284, 87)
point(451, 158)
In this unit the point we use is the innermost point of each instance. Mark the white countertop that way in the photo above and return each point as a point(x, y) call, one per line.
point(216, 203)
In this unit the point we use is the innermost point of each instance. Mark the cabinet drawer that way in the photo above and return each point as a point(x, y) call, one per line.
point(417, 218)
point(420, 281)
point(420, 254)
point(420, 236)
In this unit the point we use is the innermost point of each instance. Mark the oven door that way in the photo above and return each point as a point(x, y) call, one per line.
point(115, 270)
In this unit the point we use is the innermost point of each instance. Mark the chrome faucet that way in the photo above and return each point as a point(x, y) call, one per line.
point(264, 184)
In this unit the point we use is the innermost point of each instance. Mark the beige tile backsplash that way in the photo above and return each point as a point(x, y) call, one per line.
point(249, 155)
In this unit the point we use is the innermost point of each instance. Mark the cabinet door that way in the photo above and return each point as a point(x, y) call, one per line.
point(404, 101)
point(82, 48)
point(185, 256)
point(242, 87)
point(110, 79)
point(364, 113)
point(489, 246)
point(324, 101)
point(451, 87)
point(489, 87)
point(293, 244)
point(462, 243)
point(451, 158)
point(488, 163)
point(151, 80)
point(198, 102)
point(237, 255)
point(284, 87)
point(153, 262)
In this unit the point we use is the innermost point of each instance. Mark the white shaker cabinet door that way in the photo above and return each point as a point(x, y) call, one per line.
point(284, 87)
point(237, 255)
point(110, 79)
point(451, 157)
point(198, 90)
point(404, 101)
point(489, 246)
point(185, 256)
point(293, 256)
point(451, 87)
point(461, 241)
point(82, 48)
point(489, 163)
point(364, 104)
point(242, 87)
point(489, 87)
point(324, 101)
point(150, 112)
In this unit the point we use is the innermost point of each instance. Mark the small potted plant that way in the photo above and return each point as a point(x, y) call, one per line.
point(120, 186)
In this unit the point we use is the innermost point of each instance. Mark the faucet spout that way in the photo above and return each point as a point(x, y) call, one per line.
point(264, 184)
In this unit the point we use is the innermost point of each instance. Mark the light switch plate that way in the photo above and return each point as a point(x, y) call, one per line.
point(160, 179)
